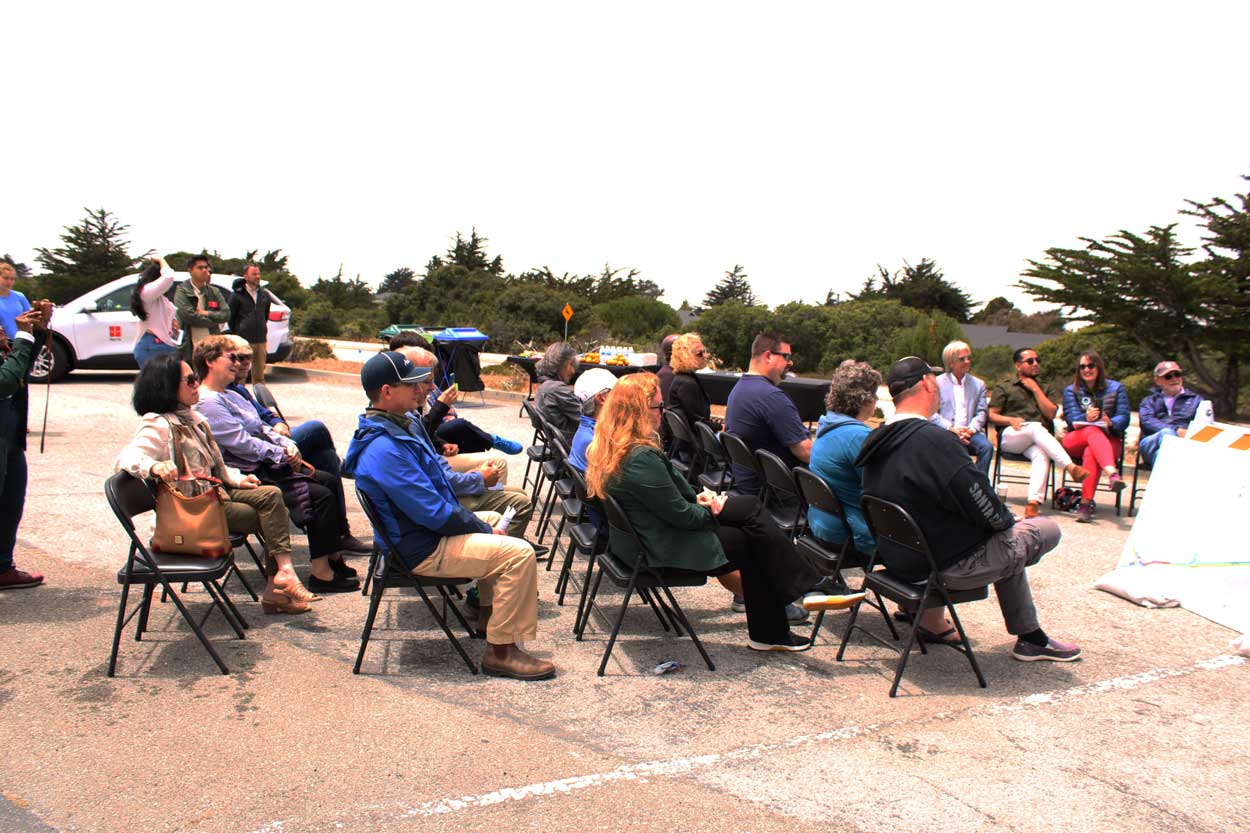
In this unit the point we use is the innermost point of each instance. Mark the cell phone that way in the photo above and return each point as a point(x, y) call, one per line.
point(454, 383)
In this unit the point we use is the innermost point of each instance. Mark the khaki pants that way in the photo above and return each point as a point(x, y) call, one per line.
point(507, 578)
point(259, 353)
point(498, 500)
point(466, 462)
point(261, 510)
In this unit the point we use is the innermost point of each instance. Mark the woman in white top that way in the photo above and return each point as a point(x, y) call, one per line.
point(158, 319)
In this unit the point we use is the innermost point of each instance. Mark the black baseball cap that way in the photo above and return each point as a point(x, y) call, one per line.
point(908, 371)
point(391, 368)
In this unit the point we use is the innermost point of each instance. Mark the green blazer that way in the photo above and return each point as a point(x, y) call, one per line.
point(660, 504)
point(13, 400)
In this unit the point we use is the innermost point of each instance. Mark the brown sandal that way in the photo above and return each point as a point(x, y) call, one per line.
point(297, 591)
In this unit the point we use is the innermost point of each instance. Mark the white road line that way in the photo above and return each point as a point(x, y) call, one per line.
point(681, 766)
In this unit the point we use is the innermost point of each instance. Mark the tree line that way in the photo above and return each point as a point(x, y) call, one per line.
point(1150, 296)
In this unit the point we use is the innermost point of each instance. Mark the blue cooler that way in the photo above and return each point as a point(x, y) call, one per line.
point(457, 349)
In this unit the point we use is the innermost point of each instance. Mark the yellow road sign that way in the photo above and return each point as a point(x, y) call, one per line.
point(567, 312)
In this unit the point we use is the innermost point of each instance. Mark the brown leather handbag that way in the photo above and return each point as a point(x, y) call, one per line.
point(190, 524)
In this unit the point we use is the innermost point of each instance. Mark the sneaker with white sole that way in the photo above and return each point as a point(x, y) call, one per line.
point(792, 643)
point(1052, 651)
point(739, 605)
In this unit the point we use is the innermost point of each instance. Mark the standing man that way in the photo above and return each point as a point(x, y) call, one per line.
point(12, 302)
point(972, 535)
point(762, 415)
point(1025, 415)
point(1166, 411)
point(963, 407)
point(202, 308)
point(18, 355)
point(249, 317)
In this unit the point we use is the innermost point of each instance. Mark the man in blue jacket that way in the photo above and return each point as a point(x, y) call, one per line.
point(1166, 411)
point(398, 469)
point(963, 409)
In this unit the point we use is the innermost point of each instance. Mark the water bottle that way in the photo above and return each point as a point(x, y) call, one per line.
point(505, 519)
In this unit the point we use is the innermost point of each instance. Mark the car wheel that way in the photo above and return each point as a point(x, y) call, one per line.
point(54, 363)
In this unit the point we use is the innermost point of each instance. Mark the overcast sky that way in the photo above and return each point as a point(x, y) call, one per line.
point(807, 142)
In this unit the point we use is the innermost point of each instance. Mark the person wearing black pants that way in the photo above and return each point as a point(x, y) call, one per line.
point(17, 357)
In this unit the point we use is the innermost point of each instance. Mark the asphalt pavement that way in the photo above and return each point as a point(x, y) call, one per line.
point(1147, 731)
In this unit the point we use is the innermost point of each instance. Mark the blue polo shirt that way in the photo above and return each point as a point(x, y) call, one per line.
point(11, 306)
point(581, 442)
point(764, 417)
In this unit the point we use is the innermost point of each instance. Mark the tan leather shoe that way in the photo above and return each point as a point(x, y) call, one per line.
point(1076, 473)
point(1032, 509)
point(517, 665)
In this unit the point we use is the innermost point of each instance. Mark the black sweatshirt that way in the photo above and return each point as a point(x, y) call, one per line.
point(927, 470)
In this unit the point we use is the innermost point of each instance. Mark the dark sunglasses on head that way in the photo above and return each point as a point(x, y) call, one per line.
point(1085, 366)
point(192, 380)
point(1172, 374)
point(1031, 361)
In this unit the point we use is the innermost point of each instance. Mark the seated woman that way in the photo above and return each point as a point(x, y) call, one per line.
point(1097, 412)
point(164, 394)
point(554, 398)
point(252, 446)
point(715, 535)
point(685, 395)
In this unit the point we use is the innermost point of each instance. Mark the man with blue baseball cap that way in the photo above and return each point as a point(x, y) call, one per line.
point(398, 469)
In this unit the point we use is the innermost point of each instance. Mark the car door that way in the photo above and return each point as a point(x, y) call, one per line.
point(107, 331)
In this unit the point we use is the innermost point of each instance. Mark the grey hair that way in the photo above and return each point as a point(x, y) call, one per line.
point(949, 351)
point(419, 356)
point(853, 386)
point(556, 356)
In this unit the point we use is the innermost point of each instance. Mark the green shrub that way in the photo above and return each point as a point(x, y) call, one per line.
point(729, 329)
point(319, 319)
point(1138, 387)
point(993, 364)
point(307, 349)
point(637, 318)
point(926, 338)
point(1121, 353)
point(866, 330)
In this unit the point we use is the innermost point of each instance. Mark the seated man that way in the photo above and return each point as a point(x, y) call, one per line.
point(312, 437)
point(252, 447)
point(480, 489)
point(1166, 411)
point(395, 465)
point(762, 415)
point(592, 391)
point(972, 535)
point(1025, 415)
point(444, 424)
point(963, 408)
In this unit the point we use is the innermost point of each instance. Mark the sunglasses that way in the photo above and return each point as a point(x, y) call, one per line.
point(700, 352)
point(1172, 374)
point(785, 356)
point(1030, 361)
point(1084, 366)
point(233, 357)
point(192, 380)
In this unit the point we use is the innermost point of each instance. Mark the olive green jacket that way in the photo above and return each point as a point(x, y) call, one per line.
point(187, 303)
point(660, 504)
point(13, 400)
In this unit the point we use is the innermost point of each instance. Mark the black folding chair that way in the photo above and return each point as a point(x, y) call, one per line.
point(537, 452)
point(778, 495)
point(559, 488)
point(739, 454)
point(1002, 477)
point(265, 397)
point(644, 578)
point(827, 558)
point(890, 522)
point(682, 450)
point(1139, 466)
point(716, 473)
point(584, 538)
point(389, 570)
point(128, 497)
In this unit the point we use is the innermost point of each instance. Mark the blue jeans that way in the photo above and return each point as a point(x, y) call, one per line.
point(149, 346)
point(12, 499)
point(1148, 446)
point(979, 444)
point(317, 447)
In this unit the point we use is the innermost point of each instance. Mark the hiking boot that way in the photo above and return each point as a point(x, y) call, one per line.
point(1052, 651)
point(16, 579)
point(1032, 509)
point(517, 665)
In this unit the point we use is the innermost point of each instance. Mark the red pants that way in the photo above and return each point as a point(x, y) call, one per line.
point(1095, 449)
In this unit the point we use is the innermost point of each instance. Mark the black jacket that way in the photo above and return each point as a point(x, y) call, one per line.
point(248, 318)
point(928, 472)
point(687, 397)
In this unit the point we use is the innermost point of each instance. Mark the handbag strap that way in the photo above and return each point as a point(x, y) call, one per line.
point(175, 447)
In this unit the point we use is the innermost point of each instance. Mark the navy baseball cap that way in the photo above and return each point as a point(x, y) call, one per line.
point(908, 371)
point(391, 368)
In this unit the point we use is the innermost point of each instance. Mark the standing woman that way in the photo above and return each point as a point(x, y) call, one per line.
point(165, 391)
point(1100, 406)
point(685, 394)
point(158, 319)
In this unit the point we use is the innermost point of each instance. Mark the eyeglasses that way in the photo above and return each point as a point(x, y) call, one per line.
point(659, 407)
point(233, 357)
point(700, 353)
point(1031, 361)
point(1084, 366)
point(192, 380)
point(1172, 374)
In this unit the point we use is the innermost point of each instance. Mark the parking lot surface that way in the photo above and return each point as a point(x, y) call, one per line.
point(1147, 732)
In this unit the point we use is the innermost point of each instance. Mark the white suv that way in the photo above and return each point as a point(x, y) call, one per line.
point(97, 331)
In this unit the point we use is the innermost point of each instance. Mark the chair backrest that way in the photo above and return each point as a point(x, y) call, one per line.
point(371, 512)
point(679, 429)
point(617, 519)
point(713, 451)
point(891, 522)
point(739, 453)
point(777, 476)
point(557, 442)
point(128, 496)
point(816, 493)
point(536, 419)
point(265, 397)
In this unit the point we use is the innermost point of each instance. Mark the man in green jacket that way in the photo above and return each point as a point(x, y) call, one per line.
point(202, 307)
point(18, 356)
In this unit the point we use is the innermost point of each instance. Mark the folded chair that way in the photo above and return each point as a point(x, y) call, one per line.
point(890, 522)
point(128, 497)
point(388, 570)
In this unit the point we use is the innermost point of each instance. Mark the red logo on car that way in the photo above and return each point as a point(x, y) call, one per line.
point(115, 331)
